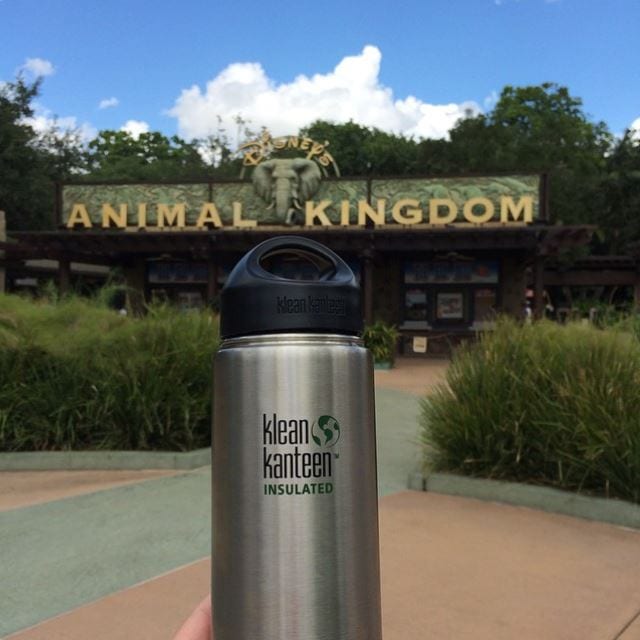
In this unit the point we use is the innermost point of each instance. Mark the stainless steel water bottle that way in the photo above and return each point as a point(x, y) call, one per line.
point(295, 512)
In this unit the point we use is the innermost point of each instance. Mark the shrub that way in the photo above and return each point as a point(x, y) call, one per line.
point(76, 375)
point(630, 324)
point(380, 339)
point(547, 404)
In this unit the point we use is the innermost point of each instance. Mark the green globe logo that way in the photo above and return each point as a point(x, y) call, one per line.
point(325, 431)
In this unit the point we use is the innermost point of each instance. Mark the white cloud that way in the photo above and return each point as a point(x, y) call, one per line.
point(43, 121)
point(107, 103)
point(38, 67)
point(135, 127)
point(352, 91)
point(635, 129)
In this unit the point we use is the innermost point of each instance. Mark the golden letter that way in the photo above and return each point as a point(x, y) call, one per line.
point(79, 215)
point(208, 215)
point(109, 215)
point(410, 216)
point(317, 149)
point(434, 211)
point(478, 218)
point(252, 158)
point(345, 213)
point(509, 207)
point(311, 212)
point(171, 216)
point(142, 215)
point(237, 217)
point(366, 211)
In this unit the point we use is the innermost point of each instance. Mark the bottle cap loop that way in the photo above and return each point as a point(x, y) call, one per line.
point(290, 284)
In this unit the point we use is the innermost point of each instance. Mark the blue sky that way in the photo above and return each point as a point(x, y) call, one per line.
point(408, 66)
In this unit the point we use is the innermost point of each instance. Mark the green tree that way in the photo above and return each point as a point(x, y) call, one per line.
point(118, 155)
point(538, 128)
point(361, 151)
point(223, 163)
point(30, 163)
point(620, 195)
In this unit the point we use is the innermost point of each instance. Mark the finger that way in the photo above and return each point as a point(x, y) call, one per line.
point(198, 626)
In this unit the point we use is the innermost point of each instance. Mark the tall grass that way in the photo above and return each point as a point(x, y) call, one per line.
point(541, 403)
point(76, 375)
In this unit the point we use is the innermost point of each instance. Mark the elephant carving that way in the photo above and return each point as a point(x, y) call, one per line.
point(286, 184)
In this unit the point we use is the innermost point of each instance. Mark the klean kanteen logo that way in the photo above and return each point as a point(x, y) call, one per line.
point(299, 454)
point(325, 431)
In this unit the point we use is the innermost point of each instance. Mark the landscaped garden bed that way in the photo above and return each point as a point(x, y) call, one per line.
point(544, 404)
point(75, 375)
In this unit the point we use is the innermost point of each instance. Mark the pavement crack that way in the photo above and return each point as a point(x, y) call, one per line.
point(620, 633)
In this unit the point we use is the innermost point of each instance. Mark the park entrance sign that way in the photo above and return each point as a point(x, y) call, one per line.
point(339, 203)
point(294, 181)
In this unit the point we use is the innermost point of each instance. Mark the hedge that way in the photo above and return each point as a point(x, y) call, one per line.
point(542, 403)
point(77, 375)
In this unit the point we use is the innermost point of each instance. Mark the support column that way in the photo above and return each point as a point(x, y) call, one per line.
point(367, 290)
point(538, 288)
point(513, 285)
point(3, 238)
point(212, 282)
point(64, 277)
point(135, 280)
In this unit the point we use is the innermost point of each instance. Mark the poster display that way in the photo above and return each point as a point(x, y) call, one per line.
point(450, 306)
point(447, 271)
point(415, 304)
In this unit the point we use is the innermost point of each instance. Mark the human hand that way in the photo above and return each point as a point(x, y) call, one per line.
point(198, 625)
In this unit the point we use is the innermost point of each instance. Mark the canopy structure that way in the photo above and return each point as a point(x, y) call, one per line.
point(111, 247)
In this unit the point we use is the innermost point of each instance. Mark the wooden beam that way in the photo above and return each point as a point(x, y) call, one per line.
point(590, 277)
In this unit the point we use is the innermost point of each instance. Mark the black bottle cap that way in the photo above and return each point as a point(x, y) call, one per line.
point(290, 284)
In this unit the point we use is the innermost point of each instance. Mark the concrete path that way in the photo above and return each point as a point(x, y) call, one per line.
point(92, 545)
point(452, 568)
point(23, 489)
point(131, 560)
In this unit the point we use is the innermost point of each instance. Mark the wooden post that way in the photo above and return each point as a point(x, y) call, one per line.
point(64, 276)
point(135, 280)
point(3, 238)
point(212, 281)
point(512, 285)
point(538, 288)
point(367, 291)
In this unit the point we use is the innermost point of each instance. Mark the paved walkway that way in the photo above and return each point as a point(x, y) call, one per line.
point(117, 555)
